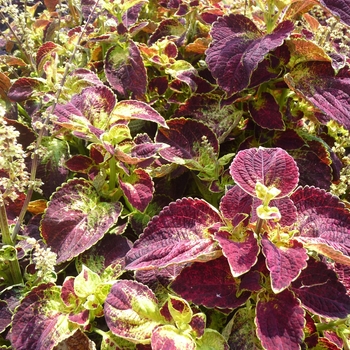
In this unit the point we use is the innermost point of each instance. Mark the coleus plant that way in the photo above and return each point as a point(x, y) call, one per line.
point(146, 234)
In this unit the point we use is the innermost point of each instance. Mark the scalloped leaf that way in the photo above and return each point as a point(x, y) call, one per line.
point(323, 223)
point(132, 109)
point(39, 322)
point(320, 291)
point(83, 219)
point(241, 255)
point(125, 70)
point(171, 338)
point(132, 312)
point(138, 189)
point(339, 8)
point(284, 263)
point(191, 143)
point(266, 113)
point(182, 232)
point(269, 166)
point(210, 284)
point(318, 84)
point(238, 47)
point(280, 321)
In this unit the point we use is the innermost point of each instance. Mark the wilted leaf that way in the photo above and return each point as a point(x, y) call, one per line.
point(269, 166)
point(280, 321)
point(238, 47)
point(182, 232)
point(83, 219)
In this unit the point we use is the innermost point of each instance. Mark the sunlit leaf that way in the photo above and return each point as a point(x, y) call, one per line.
point(83, 219)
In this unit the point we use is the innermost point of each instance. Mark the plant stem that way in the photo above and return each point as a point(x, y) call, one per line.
point(112, 173)
point(35, 161)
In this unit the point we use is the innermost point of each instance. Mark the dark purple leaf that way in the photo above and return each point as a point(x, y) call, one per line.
point(131, 15)
point(238, 47)
point(241, 253)
point(79, 163)
point(320, 291)
point(83, 219)
point(323, 223)
point(185, 137)
point(168, 27)
point(280, 321)
point(125, 70)
point(269, 166)
point(317, 83)
point(138, 189)
point(182, 232)
point(131, 311)
point(343, 272)
point(208, 110)
point(5, 316)
point(266, 113)
point(339, 8)
point(284, 262)
point(23, 88)
point(39, 322)
point(210, 284)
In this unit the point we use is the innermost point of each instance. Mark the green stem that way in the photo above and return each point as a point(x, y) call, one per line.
point(112, 174)
point(14, 267)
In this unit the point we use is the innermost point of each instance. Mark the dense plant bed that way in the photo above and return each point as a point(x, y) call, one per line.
point(175, 174)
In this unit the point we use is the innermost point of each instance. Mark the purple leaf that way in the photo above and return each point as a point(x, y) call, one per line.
point(138, 189)
point(269, 166)
point(320, 291)
point(266, 113)
point(238, 47)
point(83, 219)
point(280, 321)
point(185, 137)
point(23, 88)
point(131, 311)
point(339, 8)
point(132, 109)
point(169, 27)
point(38, 322)
point(171, 338)
point(125, 70)
point(210, 284)
point(241, 254)
point(323, 223)
point(182, 232)
point(284, 262)
point(79, 163)
point(317, 83)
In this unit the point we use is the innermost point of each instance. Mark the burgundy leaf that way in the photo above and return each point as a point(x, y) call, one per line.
point(44, 50)
point(343, 272)
point(182, 232)
point(317, 83)
point(241, 254)
point(125, 70)
point(339, 8)
point(323, 223)
point(23, 88)
point(79, 163)
point(266, 113)
point(269, 166)
point(284, 262)
point(280, 321)
point(234, 202)
point(168, 27)
point(185, 137)
point(95, 103)
point(238, 47)
point(138, 189)
point(210, 284)
point(37, 323)
point(83, 219)
point(208, 110)
point(320, 291)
